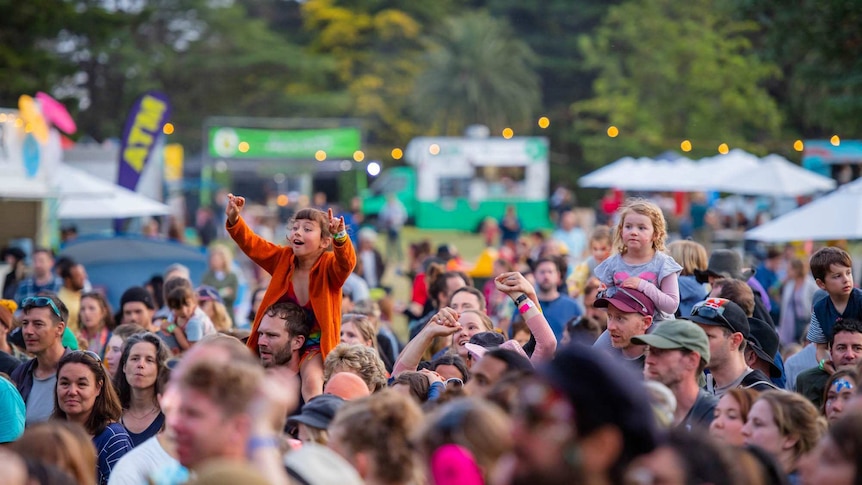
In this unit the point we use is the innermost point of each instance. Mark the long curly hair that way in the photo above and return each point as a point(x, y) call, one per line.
point(644, 208)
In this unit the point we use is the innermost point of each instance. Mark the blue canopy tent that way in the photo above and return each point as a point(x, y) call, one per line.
point(114, 263)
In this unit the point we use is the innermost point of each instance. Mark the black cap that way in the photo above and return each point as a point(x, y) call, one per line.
point(488, 340)
point(764, 342)
point(318, 412)
point(603, 392)
point(137, 293)
point(721, 312)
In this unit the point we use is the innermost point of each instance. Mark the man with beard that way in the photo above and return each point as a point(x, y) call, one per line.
point(677, 353)
point(557, 308)
point(581, 420)
point(281, 336)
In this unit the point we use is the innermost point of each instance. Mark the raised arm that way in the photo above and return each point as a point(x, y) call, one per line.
point(345, 254)
point(443, 324)
point(516, 287)
point(264, 253)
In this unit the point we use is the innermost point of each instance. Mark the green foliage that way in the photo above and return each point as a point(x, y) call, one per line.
point(670, 71)
point(477, 73)
point(818, 45)
point(28, 42)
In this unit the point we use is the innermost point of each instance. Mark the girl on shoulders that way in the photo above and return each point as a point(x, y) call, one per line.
point(641, 262)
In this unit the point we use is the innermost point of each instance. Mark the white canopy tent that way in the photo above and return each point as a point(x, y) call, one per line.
point(773, 176)
point(737, 172)
point(83, 196)
point(837, 215)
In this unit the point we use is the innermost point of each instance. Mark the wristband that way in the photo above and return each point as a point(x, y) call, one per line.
point(520, 299)
point(341, 236)
point(526, 307)
point(257, 442)
point(821, 364)
point(171, 328)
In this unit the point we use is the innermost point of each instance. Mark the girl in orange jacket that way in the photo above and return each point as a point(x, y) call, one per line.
point(304, 272)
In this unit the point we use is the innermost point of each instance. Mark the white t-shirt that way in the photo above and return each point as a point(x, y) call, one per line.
point(40, 402)
point(148, 463)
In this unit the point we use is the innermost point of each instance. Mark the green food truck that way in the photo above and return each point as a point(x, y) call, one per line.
point(456, 182)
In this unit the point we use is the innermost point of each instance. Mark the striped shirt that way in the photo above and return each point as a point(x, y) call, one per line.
point(111, 444)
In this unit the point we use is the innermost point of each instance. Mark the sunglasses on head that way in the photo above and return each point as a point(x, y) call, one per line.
point(710, 312)
point(41, 302)
point(89, 353)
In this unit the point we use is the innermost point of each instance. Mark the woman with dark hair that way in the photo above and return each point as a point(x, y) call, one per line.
point(95, 322)
point(84, 394)
point(142, 378)
point(730, 415)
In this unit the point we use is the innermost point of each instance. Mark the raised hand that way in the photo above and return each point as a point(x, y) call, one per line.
point(235, 204)
point(336, 224)
point(513, 282)
point(444, 323)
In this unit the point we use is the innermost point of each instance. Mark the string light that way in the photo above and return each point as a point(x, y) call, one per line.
point(613, 131)
point(798, 145)
point(723, 149)
point(434, 149)
point(358, 156)
point(320, 155)
point(544, 122)
point(835, 141)
point(508, 133)
point(168, 129)
point(397, 153)
point(243, 147)
point(685, 145)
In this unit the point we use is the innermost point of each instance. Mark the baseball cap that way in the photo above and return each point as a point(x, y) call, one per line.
point(208, 293)
point(677, 334)
point(603, 392)
point(318, 412)
point(139, 294)
point(764, 342)
point(627, 300)
point(721, 312)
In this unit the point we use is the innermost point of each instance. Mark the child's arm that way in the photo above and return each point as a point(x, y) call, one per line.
point(345, 254)
point(180, 335)
point(816, 336)
point(264, 253)
point(665, 298)
point(311, 375)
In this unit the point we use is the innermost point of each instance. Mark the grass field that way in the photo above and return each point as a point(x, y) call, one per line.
point(469, 246)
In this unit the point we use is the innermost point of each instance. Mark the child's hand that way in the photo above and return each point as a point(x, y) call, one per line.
point(632, 282)
point(336, 224)
point(513, 282)
point(234, 207)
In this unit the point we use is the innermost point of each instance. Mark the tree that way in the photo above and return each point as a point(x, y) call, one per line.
point(377, 48)
point(818, 45)
point(477, 73)
point(29, 61)
point(669, 71)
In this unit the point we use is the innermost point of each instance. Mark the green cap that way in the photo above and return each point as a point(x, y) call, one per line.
point(677, 334)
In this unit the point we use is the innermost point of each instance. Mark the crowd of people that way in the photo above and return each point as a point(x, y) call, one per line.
point(609, 357)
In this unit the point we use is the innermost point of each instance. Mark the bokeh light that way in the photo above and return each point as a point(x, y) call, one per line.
point(723, 149)
point(613, 131)
point(168, 129)
point(373, 169)
point(358, 156)
point(835, 141)
point(685, 146)
point(397, 153)
point(798, 145)
point(544, 122)
point(434, 149)
point(243, 147)
point(508, 133)
point(320, 155)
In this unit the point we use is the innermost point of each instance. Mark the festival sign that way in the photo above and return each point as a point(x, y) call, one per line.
point(143, 127)
point(255, 143)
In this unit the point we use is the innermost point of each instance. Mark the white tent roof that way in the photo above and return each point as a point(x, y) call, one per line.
point(737, 172)
point(837, 215)
point(775, 176)
point(83, 196)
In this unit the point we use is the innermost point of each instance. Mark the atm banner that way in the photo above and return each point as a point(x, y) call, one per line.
point(146, 120)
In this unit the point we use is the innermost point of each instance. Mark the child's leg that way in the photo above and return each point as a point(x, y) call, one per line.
point(311, 374)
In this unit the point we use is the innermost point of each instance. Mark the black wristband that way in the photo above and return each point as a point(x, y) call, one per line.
point(521, 299)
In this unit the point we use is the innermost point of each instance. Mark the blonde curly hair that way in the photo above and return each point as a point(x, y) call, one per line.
point(644, 208)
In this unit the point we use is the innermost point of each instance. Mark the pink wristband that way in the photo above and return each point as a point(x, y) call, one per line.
point(526, 307)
